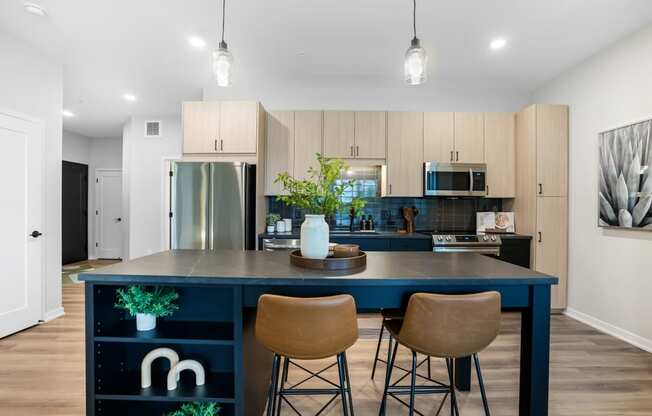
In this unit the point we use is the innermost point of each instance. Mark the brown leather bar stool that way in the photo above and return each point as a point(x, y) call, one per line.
point(307, 329)
point(444, 326)
point(388, 314)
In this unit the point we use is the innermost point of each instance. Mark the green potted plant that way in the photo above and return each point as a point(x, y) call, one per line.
point(147, 304)
point(319, 195)
point(197, 409)
point(271, 221)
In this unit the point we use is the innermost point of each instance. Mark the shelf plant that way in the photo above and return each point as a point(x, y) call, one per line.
point(271, 221)
point(197, 409)
point(318, 195)
point(147, 304)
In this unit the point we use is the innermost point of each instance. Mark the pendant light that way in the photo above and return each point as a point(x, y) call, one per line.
point(416, 59)
point(222, 58)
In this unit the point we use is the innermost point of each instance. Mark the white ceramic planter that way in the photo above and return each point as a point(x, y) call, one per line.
point(314, 237)
point(270, 229)
point(145, 321)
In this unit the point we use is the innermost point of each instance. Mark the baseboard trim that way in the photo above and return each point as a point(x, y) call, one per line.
point(54, 314)
point(622, 334)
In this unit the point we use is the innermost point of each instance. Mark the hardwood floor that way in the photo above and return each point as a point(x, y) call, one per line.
point(42, 372)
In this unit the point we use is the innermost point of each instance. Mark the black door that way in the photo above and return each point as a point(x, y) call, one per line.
point(74, 212)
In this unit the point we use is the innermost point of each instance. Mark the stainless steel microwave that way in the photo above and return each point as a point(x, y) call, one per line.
point(454, 179)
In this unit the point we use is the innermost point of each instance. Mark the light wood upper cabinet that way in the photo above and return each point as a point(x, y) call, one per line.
point(307, 141)
point(339, 134)
point(279, 149)
point(551, 240)
point(221, 127)
point(500, 154)
point(370, 134)
point(238, 126)
point(552, 150)
point(469, 137)
point(201, 127)
point(438, 137)
point(404, 154)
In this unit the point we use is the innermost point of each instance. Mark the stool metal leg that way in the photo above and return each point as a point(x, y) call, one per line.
point(450, 363)
point(481, 382)
point(348, 383)
point(429, 368)
point(340, 370)
point(413, 384)
point(391, 356)
point(284, 377)
point(380, 340)
point(271, 397)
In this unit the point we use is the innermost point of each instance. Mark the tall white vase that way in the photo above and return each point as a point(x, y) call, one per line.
point(314, 237)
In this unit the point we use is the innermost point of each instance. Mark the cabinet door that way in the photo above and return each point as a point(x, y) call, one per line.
point(201, 126)
point(551, 253)
point(500, 154)
point(279, 149)
point(552, 150)
point(469, 137)
point(307, 141)
point(439, 137)
point(339, 134)
point(404, 154)
point(370, 134)
point(238, 127)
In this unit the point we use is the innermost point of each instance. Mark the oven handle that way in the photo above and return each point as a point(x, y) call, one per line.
point(481, 250)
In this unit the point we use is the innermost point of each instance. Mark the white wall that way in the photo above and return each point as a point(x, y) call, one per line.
point(365, 96)
point(97, 153)
point(610, 272)
point(143, 182)
point(31, 84)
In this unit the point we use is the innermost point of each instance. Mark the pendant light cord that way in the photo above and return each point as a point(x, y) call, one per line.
point(223, 14)
point(414, 17)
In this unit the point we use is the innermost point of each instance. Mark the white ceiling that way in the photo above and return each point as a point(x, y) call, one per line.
point(109, 47)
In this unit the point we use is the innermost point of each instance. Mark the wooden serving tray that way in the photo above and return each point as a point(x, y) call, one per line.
point(329, 263)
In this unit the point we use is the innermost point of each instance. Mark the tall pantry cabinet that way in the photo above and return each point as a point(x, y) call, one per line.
point(541, 203)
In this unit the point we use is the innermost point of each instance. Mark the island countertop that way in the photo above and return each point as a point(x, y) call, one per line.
point(274, 268)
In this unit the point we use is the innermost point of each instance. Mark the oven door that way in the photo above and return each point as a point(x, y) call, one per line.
point(492, 251)
point(454, 179)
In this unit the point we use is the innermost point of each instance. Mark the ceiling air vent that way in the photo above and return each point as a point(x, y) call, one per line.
point(152, 129)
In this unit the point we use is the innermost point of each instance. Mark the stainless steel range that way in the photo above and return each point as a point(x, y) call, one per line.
point(466, 243)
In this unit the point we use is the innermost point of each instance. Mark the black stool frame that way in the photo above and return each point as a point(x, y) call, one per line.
point(278, 395)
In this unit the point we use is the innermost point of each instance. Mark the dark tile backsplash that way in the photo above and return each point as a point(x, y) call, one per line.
point(443, 214)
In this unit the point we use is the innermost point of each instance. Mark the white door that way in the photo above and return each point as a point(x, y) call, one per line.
point(21, 216)
point(108, 212)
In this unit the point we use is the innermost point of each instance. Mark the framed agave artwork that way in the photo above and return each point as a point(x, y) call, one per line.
point(625, 177)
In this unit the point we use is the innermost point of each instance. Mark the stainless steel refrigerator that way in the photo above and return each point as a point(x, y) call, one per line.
point(212, 205)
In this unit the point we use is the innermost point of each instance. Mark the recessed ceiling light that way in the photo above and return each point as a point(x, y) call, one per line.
point(67, 113)
point(129, 97)
point(197, 42)
point(34, 8)
point(497, 44)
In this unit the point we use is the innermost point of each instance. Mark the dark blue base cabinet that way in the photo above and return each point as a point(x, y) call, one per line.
point(215, 326)
point(207, 328)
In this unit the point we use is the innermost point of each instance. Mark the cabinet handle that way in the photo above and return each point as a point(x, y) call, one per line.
point(487, 189)
point(357, 150)
point(351, 151)
point(540, 237)
point(457, 156)
point(451, 155)
point(215, 145)
point(221, 145)
point(390, 188)
point(540, 189)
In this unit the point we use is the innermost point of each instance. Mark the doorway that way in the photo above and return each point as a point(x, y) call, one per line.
point(108, 213)
point(74, 210)
point(23, 236)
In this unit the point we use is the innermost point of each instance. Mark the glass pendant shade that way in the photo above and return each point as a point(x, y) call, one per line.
point(222, 65)
point(416, 64)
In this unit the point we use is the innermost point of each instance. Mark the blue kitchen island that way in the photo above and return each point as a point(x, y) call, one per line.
point(214, 325)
